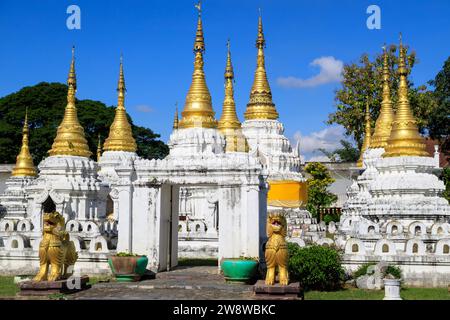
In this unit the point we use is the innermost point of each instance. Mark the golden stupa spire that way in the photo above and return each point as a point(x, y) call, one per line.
point(99, 148)
point(198, 111)
point(175, 118)
point(367, 136)
point(70, 139)
point(120, 135)
point(24, 162)
point(260, 105)
point(229, 124)
point(229, 119)
point(384, 122)
point(404, 139)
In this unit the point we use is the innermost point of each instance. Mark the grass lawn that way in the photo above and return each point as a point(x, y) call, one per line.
point(197, 262)
point(359, 294)
point(7, 286)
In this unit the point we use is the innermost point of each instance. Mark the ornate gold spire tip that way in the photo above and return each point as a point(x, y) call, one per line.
point(175, 118)
point(70, 139)
point(198, 111)
point(24, 162)
point(384, 121)
point(120, 133)
point(260, 105)
point(99, 148)
point(404, 139)
point(229, 124)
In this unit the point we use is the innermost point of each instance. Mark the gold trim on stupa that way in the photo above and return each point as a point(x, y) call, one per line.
point(383, 124)
point(175, 118)
point(367, 136)
point(260, 105)
point(229, 124)
point(198, 111)
point(405, 139)
point(24, 162)
point(70, 139)
point(99, 148)
point(120, 134)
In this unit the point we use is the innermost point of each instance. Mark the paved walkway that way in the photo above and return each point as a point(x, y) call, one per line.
point(182, 283)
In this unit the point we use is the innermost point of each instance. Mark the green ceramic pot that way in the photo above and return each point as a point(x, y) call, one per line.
point(239, 270)
point(127, 269)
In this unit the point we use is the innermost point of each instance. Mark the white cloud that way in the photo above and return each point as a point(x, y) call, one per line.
point(328, 139)
point(144, 108)
point(330, 71)
point(319, 159)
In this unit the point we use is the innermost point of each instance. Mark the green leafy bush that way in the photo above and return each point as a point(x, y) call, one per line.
point(394, 271)
point(329, 217)
point(315, 267)
point(362, 270)
point(127, 254)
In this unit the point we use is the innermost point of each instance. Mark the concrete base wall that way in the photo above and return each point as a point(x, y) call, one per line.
point(198, 249)
point(417, 271)
point(26, 262)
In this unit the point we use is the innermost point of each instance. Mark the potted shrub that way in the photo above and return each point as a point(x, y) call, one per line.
point(242, 269)
point(127, 266)
point(392, 282)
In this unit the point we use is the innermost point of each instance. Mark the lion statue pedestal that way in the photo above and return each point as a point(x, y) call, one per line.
point(56, 254)
point(55, 249)
point(276, 256)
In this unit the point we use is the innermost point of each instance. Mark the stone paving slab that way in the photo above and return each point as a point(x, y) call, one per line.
point(183, 283)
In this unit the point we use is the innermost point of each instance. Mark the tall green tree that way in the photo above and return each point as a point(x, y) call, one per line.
point(364, 80)
point(445, 176)
point(346, 153)
point(318, 194)
point(46, 103)
point(439, 127)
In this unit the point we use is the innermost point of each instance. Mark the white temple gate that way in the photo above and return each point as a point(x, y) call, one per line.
point(148, 208)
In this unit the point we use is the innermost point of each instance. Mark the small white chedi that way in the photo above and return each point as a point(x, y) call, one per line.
point(395, 211)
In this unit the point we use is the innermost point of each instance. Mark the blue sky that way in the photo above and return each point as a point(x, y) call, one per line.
point(156, 38)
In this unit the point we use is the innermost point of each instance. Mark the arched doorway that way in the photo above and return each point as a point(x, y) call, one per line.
point(48, 205)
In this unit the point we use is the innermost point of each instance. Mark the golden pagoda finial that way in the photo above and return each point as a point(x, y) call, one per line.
point(175, 118)
point(404, 139)
point(229, 124)
point(99, 148)
point(367, 135)
point(260, 105)
point(70, 139)
point(198, 111)
point(24, 162)
point(120, 134)
point(383, 124)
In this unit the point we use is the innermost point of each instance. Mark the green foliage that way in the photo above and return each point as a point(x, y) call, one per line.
point(330, 217)
point(445, 176)
point(362, 270)
point(364, 79)
point(318, 195)
point(8, 287)
point(361, 294)
point(394, 271)
point(127, 254)
point(347, 153)
point(315, 267)
point(46, 103)
point(198, 262)
point(57, 296)
point(439, 124)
